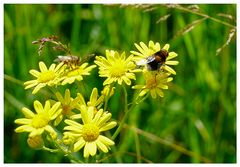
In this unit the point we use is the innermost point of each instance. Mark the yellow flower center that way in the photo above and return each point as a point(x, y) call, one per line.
point(46, 76)
point(90, 132)
point(117, 70)
point(151, 82)
point(40, 120)
point(66, 109)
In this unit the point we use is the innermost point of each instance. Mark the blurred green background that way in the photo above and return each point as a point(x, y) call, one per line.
point(194, 122)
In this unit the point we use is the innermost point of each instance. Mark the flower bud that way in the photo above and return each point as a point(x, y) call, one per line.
point(35, 142)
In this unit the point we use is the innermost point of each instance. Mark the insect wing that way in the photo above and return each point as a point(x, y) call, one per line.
point(150, 59)
point(58, 59)
point(141, 62)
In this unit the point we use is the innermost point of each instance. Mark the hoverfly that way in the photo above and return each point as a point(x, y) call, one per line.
point(72, 61)
point(155, 61)
point(69, 59)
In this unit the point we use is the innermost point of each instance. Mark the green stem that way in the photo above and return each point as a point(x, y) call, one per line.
point(127, 111)
point(125, 99)
point(107, 99)
point(106, 103)
point(50, 149)
point(67, 153)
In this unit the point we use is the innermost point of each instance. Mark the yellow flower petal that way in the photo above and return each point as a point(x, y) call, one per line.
point(75, 116)
point(27, 113)
point(126, 80)
point(144, 46)
point(56, 114)
point(73, 128)
point(35, 73)
point(73, 123)
point(52, 67)
point(151, 45)
point(59, 97)
point(162, 86)
point(86, 151)
point(81, 99)
point(94, 95)
point(38, 87)
point(105, 140)
point(104, 119)
point(157, 47)
point(87, 114)
point(139, 48)
point(67, 96)
point(169, 69)
point(166, 46)
point(143, 92)
point(92, 147)
point(153, 93)
point(42, 66)
point(30, 84)
point(108, 126)
point(172, 62)
point(47, 106)
point(136, 53)
point(36, 132)
point(23, 121)
point(101, 146)
point(159, 92)
point(54, 108)
point(97, 116)
point(171, 55)
point(24, 128)
point(49, 129)
point(58, 120)
point(38, 106)
point(79, 144)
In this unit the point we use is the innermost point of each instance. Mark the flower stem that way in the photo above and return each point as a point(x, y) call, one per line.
point(106, 103)
point(107, 98)
point(49, 149)
point(127, 111)
point(67, 153)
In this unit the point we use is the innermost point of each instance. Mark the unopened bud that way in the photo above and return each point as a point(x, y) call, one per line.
point(68, 140)
point(35, 142)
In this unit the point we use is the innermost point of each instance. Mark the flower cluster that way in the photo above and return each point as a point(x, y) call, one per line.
point(155, 80)
point(84, 122)
point(56, 75)
point(73, 123)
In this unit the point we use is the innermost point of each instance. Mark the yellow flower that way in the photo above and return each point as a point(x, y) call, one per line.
point(67, 105)
point(88, 134)
point(116, 67)
point(45, 77)
point(146, 51)
point(155, 82)
point(37, 123)
point(77, 73)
